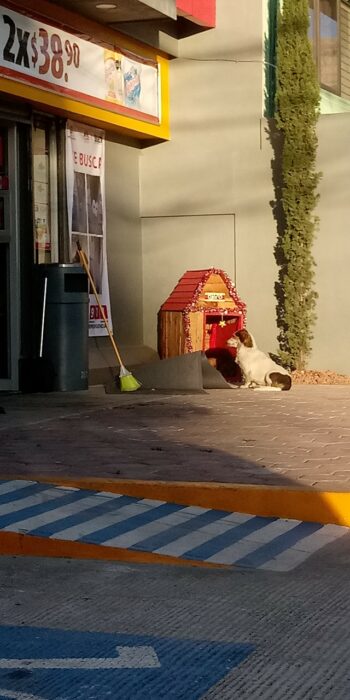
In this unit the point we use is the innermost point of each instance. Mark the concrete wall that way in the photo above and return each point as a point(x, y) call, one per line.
point(124, 241)
point(123, 233)
point(332, 247)
point(205, 195)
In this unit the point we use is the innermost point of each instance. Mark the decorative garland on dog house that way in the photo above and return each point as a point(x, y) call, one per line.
point(185, 299)
point(190, 307)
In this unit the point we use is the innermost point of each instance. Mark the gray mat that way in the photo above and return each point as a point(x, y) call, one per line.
point(190, 372)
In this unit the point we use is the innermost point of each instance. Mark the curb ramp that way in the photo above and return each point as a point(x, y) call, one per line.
point(41, 518)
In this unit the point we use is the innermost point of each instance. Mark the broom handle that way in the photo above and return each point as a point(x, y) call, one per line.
point(43, 319)
point(86, 268)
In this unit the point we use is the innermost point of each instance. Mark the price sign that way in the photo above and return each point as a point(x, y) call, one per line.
point(50, 59)
point(45, 51)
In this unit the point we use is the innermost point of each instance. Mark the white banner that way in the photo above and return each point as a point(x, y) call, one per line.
point(44, 56)
point(85, 174)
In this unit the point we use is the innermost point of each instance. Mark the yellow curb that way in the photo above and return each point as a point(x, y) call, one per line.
point(266, 501)
point(17, 544)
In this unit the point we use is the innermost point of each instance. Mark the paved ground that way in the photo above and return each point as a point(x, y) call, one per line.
point(82, 630)
point(292, 629)
point(301, 437)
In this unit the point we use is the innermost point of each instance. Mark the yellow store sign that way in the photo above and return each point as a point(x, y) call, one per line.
point(114, 87)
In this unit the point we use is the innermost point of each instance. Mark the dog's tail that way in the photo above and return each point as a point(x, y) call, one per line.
point(279, 380)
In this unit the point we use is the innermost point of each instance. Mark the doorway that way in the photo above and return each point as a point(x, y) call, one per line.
point(9, 277)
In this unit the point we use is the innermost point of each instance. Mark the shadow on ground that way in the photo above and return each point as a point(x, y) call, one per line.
point(218, 438)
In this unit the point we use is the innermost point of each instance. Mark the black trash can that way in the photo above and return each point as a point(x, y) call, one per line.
point(66, 326)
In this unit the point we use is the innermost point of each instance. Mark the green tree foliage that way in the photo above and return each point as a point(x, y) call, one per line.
point(297, 111)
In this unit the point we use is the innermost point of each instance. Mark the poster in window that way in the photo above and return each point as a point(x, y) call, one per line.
point(85, 175)
point(41, 195)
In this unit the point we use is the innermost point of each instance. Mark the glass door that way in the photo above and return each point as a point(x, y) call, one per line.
point(9, 277)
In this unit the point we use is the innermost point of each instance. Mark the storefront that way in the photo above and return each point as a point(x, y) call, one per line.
point(67, 84)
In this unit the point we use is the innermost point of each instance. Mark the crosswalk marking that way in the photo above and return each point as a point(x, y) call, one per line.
point(8, 486)
point(37, 499)
point(193, 539)
point(108, 518)
point(60, 514)
point(152, 529)
point(189, 532)
point(249, 544)
point(127, 524)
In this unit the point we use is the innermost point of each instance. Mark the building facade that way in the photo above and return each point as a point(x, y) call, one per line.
point(69, 81)
point(188, 177)
point(208, 197)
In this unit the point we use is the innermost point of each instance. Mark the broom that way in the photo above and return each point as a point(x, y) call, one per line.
point(126, 379)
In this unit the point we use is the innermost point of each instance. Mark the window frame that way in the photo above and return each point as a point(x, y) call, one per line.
point(316, 43)
point(49, 127)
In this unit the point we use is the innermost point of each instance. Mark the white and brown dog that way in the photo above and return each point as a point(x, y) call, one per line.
point(258, 370)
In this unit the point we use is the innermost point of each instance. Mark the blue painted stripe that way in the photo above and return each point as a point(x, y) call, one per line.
point(23, 492)
point(278, 545)
point(31, 511)
point(237, 533)
point(175, 531)
point(64, 522)
point(106, 533)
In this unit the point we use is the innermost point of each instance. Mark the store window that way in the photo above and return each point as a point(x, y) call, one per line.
point(44, 157)
point(324, 35)
point(3, 175)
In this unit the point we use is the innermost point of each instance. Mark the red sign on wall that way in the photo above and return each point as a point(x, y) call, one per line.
point(200, 11)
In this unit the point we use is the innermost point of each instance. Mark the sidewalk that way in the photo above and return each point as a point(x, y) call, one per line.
point(298, 439)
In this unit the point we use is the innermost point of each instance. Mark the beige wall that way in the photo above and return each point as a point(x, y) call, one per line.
point(124, 241)
point(332, 247)
point(213, 172)
point(204, 199)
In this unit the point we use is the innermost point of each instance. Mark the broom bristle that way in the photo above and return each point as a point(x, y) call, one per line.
point(129, 383)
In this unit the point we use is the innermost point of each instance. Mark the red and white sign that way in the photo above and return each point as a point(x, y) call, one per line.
point(49, 58)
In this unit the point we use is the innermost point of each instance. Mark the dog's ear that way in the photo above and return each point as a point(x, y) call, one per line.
point(245, 338)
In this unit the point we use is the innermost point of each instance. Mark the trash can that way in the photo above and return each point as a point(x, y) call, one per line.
point(65, 329)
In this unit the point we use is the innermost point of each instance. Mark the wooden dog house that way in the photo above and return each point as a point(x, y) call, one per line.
point(201, 313)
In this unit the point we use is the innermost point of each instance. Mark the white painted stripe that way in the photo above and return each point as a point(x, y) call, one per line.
point(286, 561)
point(249, 544)
point(34, 500)
point(152, 502)
point(100, 522)
point(295, 555)
point(8, 486)
point(128, 539)
point(203, 534)
point(13, 695)
point(318, 539)
point(128, 657)
point(69, 488)
point(270, 532)
point(60, 512)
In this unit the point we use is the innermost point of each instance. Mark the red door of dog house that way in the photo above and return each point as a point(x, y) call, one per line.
point(201, 313)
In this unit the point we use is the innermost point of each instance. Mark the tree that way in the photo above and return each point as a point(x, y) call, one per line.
point(297, 111)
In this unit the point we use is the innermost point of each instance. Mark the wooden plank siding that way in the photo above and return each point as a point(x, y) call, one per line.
point(197, 330)
point(171, 334)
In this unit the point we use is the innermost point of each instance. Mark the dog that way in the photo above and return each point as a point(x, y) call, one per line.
point(258, 370)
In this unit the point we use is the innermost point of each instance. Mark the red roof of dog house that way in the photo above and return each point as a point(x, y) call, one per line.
point(189, 287)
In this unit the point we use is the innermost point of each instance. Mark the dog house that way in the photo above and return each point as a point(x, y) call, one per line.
point(201, 313)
